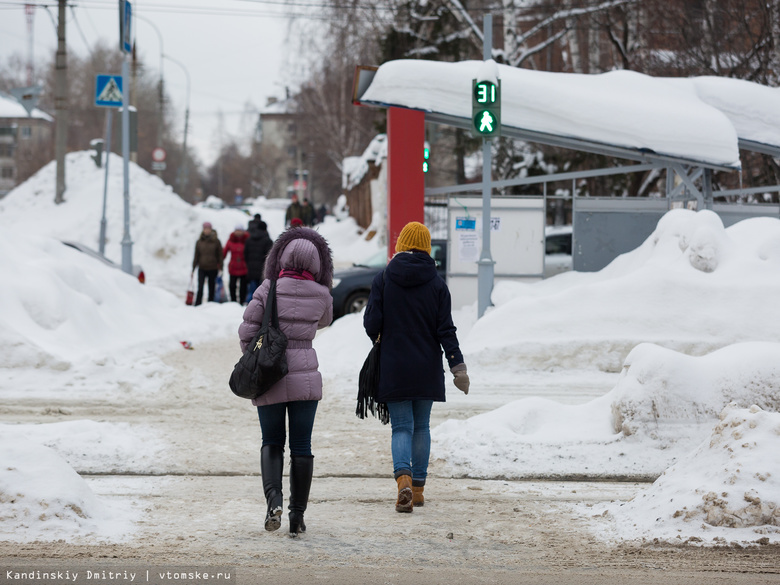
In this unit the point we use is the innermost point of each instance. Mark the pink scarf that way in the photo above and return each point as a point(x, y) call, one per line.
point(296, 274)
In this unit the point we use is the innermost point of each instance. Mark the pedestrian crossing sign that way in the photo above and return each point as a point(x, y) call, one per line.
point(108, 91)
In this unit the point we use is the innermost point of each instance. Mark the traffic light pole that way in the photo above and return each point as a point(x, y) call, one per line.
point(485, 263)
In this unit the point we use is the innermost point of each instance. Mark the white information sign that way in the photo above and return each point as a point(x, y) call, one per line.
point(468, 246)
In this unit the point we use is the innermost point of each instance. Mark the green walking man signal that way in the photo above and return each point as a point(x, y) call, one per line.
point(486, 108)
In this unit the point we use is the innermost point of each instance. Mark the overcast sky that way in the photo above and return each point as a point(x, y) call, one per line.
point(234, 51)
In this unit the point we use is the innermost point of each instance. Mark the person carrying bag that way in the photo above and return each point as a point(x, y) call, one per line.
point(300, 265)
point(410, 306)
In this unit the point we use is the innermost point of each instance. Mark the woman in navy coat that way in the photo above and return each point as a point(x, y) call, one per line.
point(410, 307)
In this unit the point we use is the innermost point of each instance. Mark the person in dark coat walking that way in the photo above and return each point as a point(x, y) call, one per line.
point(410, 306)
point(254, 223)
point(208, 261)
point(256, 250)
point(294, 210)
point(301, 264)
point(307, 213)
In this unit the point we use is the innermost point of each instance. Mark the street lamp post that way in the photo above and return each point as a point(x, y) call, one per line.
point(184, 169)
point(161, 93)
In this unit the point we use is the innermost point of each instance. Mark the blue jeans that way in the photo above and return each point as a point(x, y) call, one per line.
point(411, 438)
point(301, 414)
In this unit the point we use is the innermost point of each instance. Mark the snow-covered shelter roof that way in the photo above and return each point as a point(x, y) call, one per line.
point(11, 108)
point(621, 113)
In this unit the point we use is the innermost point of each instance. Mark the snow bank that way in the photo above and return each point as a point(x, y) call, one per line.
point(663, 405)
point(692, 286)
point(43, 498)
point(163, 227)
point(62, 306)
point(660, 389)
point(93, 447)
point(726, 490)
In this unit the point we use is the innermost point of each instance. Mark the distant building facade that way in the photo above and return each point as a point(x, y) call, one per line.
point(26, 142)
point(278, 153)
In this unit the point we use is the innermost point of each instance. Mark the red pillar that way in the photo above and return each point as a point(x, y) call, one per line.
point(405, 177)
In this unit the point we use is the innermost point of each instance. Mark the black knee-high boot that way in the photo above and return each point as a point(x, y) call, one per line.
point(301, 472)
point(271, 466)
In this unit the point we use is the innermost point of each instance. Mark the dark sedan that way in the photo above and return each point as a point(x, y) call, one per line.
point(352, 286)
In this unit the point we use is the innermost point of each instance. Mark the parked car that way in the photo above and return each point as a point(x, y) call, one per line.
point(137, 270)
point(352, 286)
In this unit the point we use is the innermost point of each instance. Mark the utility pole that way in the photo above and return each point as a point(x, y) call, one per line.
point(184, 176)
point(29, 11)
point(61, 103)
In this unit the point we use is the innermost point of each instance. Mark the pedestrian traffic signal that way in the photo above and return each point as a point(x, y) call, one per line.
point(426, 156)
point(486, 108)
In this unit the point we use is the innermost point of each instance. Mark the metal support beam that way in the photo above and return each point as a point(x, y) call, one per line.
point(688, 181)
point(544, 179)
point(707, 188)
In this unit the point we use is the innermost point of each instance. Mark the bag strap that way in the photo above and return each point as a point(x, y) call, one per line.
point(378, 337)
point(270, 308)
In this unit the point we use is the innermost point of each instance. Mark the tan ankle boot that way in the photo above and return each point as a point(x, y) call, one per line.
point(417, 496)
point(404, 501)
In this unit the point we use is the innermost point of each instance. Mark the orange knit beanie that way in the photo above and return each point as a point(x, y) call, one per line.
point(414, 236)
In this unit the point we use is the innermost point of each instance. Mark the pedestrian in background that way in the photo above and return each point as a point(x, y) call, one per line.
point(237, 268)
point(256, 250)
point(208, 261)
point(301, 263)
point(410, 306)
point(254, 222)
point(294, 211)
point(307, 213)
point(322, 211)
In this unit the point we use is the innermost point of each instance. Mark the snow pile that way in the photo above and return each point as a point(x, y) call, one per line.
point(63, 306)
point(163, 227)
point(660, 389)
point(691, 287)
point(346, 239)
point(727, 489)
point(43, 498)
point(93, 447)
point(663, 405)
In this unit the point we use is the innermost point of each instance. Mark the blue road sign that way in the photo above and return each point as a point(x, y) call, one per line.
point(108, 91)
point(127, 29)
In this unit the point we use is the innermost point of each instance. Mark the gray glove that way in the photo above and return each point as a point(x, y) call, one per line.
point(461, 377)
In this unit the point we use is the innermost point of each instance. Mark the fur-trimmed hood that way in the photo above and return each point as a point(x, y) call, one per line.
point(273, 264)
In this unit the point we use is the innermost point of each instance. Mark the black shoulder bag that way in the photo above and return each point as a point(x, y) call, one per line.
point(264, 362)
point(368, 384)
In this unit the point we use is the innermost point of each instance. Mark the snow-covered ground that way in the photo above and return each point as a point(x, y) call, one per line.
point(681, 332)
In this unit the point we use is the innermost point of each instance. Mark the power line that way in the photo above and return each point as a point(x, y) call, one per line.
point(81, 32)
point(217, 11)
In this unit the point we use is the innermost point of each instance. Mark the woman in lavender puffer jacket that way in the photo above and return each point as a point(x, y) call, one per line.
point(301, 263)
